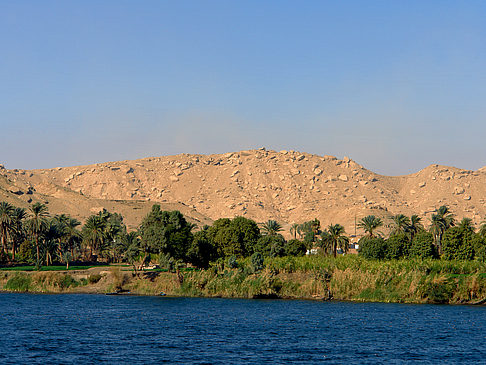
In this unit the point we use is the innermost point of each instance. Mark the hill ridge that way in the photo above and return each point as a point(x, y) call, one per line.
point(289, 186)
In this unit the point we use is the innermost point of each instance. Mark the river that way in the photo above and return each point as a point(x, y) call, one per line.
point(87, 329)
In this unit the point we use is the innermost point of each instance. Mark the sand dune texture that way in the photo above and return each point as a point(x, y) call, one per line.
point(287, 186)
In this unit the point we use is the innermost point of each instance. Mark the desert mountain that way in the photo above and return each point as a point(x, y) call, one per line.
point(287, 186)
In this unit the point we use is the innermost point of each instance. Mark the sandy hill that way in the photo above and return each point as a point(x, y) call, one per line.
point(287, 186)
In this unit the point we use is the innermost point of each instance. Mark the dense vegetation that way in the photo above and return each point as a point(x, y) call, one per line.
point(169, 240)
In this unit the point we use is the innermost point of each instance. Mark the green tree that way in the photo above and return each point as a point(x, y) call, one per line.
point(18, 229)
point(310, 231)
point(370, 224)
point(441, 221)
point(397, 246)
point(93, 233)
point(237, 237)
point(257, 262)
point(372, 248)
point(295, 230)
point(335, 237)
point(457, 244)
point(202, 250)
point(271, 228)
point(295, 247)
point(400, 224)
point(37, 225)
point(51, 243)
point(167, 233)
point(6, 218)
point(482, 229)
point(415, 226)
point(72, 236)
point(271, 245)
point(132, 249)
point(423, 246)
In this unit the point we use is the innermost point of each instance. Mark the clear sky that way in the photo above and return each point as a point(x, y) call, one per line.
point(395, 85)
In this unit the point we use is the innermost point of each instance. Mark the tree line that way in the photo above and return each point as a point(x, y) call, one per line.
point(33, 236)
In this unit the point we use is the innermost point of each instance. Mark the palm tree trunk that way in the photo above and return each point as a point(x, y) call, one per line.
point(13, 250)
point(4, 239)
point(38, 253)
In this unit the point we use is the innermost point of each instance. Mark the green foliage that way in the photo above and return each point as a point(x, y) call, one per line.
point(295, 247)
point(48, 268)
point(257, 262)
point(423, 246)
point(164, 232)
point(271, 228)
point(94, 278)
point(202, 250)
point(478, 241)
point(271, 245)
point(438, 292)
point(67, 281)
point(397, 246)
point(310, 230)
point(334, 238)
point(457, 244)
point(372, 248)
point(370, 225)
point(26, 252)
point(232, 262)
point(236, 237)
point(19, 283)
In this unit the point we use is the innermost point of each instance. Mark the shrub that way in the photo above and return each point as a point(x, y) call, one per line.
point(18, 283)
point(397, 246)
point(423, 246)
point(456, 245)
point(372, 248)
point(257, 262)
point(438, 291)
point(26, 253)
point(232, 263)
point(481, 253)
point(93, 279)
point(479, 245)
point(273, 246)
point(65, 281)
point(295, 248)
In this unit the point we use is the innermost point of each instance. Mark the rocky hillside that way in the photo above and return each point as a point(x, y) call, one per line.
point(287, 186)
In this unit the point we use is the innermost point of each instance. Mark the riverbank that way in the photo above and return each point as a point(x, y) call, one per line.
point(348, 278)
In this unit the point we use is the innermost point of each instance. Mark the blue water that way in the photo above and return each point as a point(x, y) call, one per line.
point(86, 329)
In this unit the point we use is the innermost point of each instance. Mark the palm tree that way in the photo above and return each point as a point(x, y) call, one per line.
point(72, 236)
point(37, 225)
point(334, 237)
point(295, 229)
point(6, 212)
point(52, 240)
point(18, 217)
point(466, 225)
point(94, 233)
point(415, 226)
point(482, 229)
point(441, 221)
point(400, 224)
point(369, 224)
point(271, 228)
point(446, 216)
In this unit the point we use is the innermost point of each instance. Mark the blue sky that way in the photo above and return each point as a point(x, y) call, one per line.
point(395, 85)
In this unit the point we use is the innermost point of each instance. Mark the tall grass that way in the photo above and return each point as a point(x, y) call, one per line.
point(345, 278)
